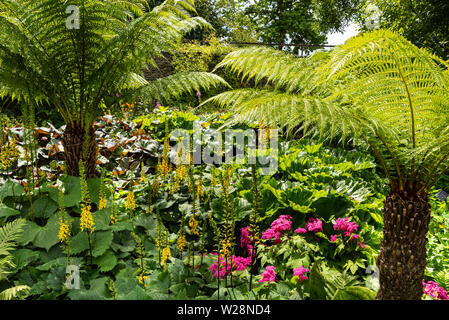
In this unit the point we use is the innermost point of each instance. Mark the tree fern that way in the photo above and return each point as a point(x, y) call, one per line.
point(76, 69)
point(377, 88)
point(381, 91)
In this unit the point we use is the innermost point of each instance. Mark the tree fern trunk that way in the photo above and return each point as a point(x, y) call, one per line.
point(73, 141)
point(402, 257)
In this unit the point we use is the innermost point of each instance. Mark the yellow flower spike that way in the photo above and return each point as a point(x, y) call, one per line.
point(103, 203)
point(182, 242)
point(9, 153)
point(142, 278)
point(193, 224)
point(166, 254)
point(199, 189)
point(64, 230)
point(87, 221)
point(225, 248)
point(113, 218)
point(130, 203)
point(155, 187)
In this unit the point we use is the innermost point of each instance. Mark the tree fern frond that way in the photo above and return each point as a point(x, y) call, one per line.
point(165, 88)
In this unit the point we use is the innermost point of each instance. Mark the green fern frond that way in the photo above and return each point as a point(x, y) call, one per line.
point(12, 293)
point(9, 233)
point(165, 88)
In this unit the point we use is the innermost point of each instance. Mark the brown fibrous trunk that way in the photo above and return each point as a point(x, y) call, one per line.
point(73, 142)
point(402, 258)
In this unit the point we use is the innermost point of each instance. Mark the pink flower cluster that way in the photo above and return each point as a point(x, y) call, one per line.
point(222, 267)
point(245, 241)
point(300, 273)
point(282, 223)
point(344, 225)
point(314, 225)
point(432, 289)
point(268, 275)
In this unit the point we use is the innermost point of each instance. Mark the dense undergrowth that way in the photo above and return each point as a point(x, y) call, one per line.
point(150, 229)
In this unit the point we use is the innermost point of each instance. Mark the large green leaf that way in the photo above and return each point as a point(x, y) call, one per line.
point(43, 237)
point(101, 242)
point(106, 262)
point(9, 189)
point(72, 194)
point(44, 207)
point(6, 211)
point(316, 284)
point(355, 293)
point(79, 243)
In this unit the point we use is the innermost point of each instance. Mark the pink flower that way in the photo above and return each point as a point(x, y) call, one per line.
point(245, 241)
point(361, 244)
point(345, 226)
point(268, 275)
point(432, 289)
point(270, 234)
point(240, 263)
point(333, 238)
point(300, 273)
point(314, 225)
point(224, 267)
point(198, 94)
point(283, 223)
point(301, 230)
point(354, 236)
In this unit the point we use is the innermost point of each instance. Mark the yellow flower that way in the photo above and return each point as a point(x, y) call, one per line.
point(181, 172)
point(193, 224)
point(166, 254)
point(142, 278)
point(64, 230)
point(130, 201)
point(87, 221)
point(113, 218)
point(165, 166)
point(9, 153)
point(103, 203)
point(155, 187)
point(182, 242)
point(225, 247)
point(199, 189)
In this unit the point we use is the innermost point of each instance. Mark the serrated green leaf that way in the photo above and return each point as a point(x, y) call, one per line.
point(101, 242)
point(44, 207)
point(106, 262)
point(46, 237)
